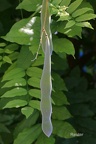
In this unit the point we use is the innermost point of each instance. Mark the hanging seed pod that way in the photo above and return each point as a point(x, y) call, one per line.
point(46, 88)
point(46, 83)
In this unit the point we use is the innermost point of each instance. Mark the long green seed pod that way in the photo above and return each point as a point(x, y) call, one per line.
point(46, 83)
point(46, 88)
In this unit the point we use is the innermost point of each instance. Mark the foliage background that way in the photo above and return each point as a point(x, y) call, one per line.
point(74, 80)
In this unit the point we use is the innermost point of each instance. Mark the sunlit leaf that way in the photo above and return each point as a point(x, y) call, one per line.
point(81, 11)
point(35, 104)
point(27, 111)
point(7, 59)
point(15, 82)
point(34, 72)
point(85, 17)
point(15, 92)
point(13, 74)
point(35, 93)
point(66, 3)
point(84, 24)
point(2, 44)
point(25, 31)
point(15, 103)
point(35, 82)
point(70, 24)
point(73, 6)
point(66, 46)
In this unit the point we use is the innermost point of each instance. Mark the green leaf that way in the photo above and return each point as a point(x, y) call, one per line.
point(35, 82)
point(14, 56)
point(24, 58)
point(81, 11)
point(25, 32)
point(84, 24)
point(15, 35)
point(88, 123)
point(35, 104)
point(56, 2)
point(7, 59)
point(58, 60)
point(59, 98)
point(58, 83)
point(66, 46)
point(2, 44)
point(27, 111)
point(1, 64)
point(1, 50)
point(35, 93)
point(74, 31)
point(69, 82)
point(39, 61)
point(0, 57)
point(4, 101)
point(15, 92)
point(82, 110)
point(15, 103)
point(3, 128)
point(42, 139)
point(63, 129)
point(85, 17)
point(70, 24)
point(60, 113)
point(8, 51)
point(66, 3)
point(29, 5)
point(5, 117)
point(34, 72)
point(11, 48)
point(28, 136)
point(13, 74)
point(15, 82)
point(73, 6)
point(26, 123)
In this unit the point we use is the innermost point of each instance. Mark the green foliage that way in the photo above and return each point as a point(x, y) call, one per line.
point(20, 75)
point(43, 139)
point(29, 5)
point(68, 47)
point(27, 136)
point(63, 129)
point(72, 17)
